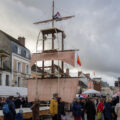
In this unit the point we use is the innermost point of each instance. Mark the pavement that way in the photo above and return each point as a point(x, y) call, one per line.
point(69, 116)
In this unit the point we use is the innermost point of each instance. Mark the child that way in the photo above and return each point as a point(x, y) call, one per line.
point(19, 116)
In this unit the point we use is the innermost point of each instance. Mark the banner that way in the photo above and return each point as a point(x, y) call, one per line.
point(67, 56)
point(47, 87)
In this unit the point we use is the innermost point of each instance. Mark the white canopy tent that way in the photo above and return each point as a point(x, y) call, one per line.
point(12, 91)
point(91, 91)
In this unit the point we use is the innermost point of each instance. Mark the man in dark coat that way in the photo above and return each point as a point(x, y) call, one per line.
point(12, 113)
point(90, 109)
point(77, 109)
point(61, 109)
point(82, 102)
point(18, 103)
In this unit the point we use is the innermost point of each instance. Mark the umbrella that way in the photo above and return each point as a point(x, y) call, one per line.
point(83, 95)
point(116, 94)
point(91, 91)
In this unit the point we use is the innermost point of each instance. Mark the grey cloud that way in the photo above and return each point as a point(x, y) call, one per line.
point(95, 30)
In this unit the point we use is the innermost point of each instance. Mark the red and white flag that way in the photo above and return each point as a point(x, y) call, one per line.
point(57, 15)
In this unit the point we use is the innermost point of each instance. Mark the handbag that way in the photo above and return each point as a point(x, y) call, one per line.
point(99, 115)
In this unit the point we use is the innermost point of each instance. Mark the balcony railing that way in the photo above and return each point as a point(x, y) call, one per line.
point(5, 69)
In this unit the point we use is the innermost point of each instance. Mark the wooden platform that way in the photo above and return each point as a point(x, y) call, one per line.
point(27, 113)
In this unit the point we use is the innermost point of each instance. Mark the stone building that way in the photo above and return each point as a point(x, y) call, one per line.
point(15, 67)
point(97, 83)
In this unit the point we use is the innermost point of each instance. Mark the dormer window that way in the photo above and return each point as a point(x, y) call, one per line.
point(27, 54)
point(19, 50)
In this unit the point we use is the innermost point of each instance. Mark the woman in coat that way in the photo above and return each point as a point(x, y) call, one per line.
point(108, 110)
point(54, 107)
point(77, 109)
point(100, 110)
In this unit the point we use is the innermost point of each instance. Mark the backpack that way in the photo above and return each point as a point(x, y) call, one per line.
point(6, 109)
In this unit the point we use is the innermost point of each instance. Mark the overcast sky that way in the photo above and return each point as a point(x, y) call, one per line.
point(95, 30)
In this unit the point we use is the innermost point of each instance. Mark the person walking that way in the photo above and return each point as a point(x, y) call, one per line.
point(9, 110)
point(18, 102)
point(82, 102)
point(90, 109)
point(100, 115)
point(61, 109)
point(77, 109)
point(54, 107)
point(117, 110)
point(114, 102)
point(108, 109)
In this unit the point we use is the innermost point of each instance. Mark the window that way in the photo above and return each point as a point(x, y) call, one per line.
point(7, 80)
point(19, 67)
point(19, 50)
point(19, 82)
point(0, 79)
point(27, 54)
point(27, 69)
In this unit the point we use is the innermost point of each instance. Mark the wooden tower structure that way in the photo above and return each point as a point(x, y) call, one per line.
point(44, 86)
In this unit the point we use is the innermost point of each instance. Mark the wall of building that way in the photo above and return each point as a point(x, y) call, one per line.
point(3, 78)
point(106, 91)
point(18, 53)
point(5, 46)
point(22, 74)
point(4, 43)
point(97, 86)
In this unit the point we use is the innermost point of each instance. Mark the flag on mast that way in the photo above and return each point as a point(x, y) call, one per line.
point(57, 15)
point(78, 61)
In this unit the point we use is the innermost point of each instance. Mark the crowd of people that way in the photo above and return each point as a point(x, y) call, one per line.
point(8, 106)
point(18, 102)
point(93, 108)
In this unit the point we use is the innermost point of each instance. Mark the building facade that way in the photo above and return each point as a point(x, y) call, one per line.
point(18, 61)
point(5, 73)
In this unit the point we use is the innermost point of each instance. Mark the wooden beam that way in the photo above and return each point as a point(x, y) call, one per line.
point(55, 19)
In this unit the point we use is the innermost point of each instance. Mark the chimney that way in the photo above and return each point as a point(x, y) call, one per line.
point(67, 71)
point(21, 41)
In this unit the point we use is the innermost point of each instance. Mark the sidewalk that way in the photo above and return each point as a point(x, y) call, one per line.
point(70, 117)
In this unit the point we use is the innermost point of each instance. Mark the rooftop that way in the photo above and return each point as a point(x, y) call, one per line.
point(12, 38)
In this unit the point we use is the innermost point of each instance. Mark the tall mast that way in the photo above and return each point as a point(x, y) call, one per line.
point(53, 20)
point(53, 6)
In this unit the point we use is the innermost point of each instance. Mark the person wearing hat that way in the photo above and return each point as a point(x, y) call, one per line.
point(77, 109)
point(19, 116)
point(54, 107)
